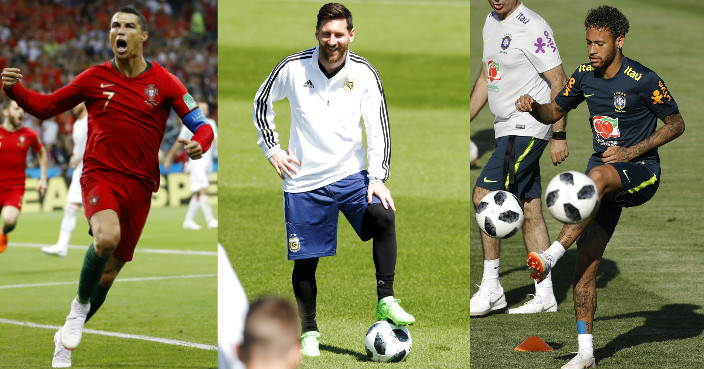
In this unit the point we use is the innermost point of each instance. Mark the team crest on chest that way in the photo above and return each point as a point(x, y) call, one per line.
point(21, 141)
point(505, 42)
point(294, 244)
point(620, 102)
point(349, 84)
point(151, 92)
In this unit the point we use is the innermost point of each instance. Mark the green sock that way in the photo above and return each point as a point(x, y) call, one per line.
point(8, 228)
point(91, 272)
point(97, 299)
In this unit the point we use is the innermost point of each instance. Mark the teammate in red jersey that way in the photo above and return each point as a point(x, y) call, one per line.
point(128, 99)
point(15, 142)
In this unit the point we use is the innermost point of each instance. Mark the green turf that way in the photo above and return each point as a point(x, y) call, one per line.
point(650, 304)
point(177, 309)
point(422, 55)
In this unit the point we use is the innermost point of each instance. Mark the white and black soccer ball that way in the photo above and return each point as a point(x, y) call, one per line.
point(500, 214)
point(473, 153)
point(387, 342)
point(571, 197)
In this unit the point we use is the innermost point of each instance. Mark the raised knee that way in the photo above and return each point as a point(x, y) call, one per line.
point(107, 238)
point(478, 194)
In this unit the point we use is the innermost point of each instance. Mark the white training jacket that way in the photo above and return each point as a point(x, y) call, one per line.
point(326, 129)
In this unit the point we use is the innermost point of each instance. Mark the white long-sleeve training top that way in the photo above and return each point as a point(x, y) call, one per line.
point(326, 129)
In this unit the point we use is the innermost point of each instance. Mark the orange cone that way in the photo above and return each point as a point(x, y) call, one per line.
point(533, 343)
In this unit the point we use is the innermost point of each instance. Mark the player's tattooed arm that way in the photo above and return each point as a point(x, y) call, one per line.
point(543, 113)
point(673, 128)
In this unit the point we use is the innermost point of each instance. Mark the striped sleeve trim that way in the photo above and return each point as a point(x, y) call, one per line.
point(262, 98)
point(383, 114)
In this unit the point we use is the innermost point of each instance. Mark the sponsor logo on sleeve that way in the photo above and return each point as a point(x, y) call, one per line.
point(568, 87)
point(549, 41)
point(619, 102)
point(188, 100)
point(539, 44)
point(658, 96)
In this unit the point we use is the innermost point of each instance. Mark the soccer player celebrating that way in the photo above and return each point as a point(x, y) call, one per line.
point(15, 142)
point(625, 100)
point(329, 88)
point(128, 99)
point(520, 54)
point(199, 175)
point(73, 199)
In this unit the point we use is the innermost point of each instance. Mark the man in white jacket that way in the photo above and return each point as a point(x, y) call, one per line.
point(323, 171)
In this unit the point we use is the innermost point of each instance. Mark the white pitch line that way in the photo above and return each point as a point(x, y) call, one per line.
point(116, 280)
point(148, 251)
point(119, 335)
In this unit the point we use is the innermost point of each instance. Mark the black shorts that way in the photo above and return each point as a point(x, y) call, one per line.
point(640, 180)
point(528, 151)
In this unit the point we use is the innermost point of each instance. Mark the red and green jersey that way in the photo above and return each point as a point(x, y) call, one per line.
point(13, 155)
point(128, 115)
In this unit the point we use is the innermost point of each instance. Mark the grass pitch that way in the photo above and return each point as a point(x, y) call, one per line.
point(650, 304)
point(421, 50)
point(160, 295)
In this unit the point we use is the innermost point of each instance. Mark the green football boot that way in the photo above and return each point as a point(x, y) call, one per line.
point(309, 343)
point(388, 308)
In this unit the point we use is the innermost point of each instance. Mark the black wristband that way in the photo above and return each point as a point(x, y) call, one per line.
point(559, 135)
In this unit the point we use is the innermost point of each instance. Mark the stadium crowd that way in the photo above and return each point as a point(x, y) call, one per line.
point(52, 41)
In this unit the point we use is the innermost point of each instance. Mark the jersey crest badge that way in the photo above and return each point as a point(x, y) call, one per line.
point(151, 92)
point(294, 245)
point(505, 42)
point(21, 143)
point(606, 127)
point(349, 84)
point(620, 102)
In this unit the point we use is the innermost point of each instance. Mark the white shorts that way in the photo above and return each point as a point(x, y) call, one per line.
point(199, 173)
point(74, 190)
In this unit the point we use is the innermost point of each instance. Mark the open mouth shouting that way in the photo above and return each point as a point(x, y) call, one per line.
point(121, 46)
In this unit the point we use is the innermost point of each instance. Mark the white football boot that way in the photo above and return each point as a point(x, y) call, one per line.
point(539, 265)
point(213, 224)
point(485, 301)
point(72, 330)
point(535, 305)
point(309, 343)
point(62, 356)
point(58, 250)
point(581, 361)
point(191, 225)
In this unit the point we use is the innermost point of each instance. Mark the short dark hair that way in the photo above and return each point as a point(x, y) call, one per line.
point(607, 17)
point(131, 10)
point(332, 11)
point(271, 328)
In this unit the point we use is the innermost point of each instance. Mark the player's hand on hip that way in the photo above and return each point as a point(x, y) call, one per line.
point(616, 154)
point(558, 151)
point(525, 103)
point(10, 76)
point(283, 162)
point(41, 186)
point(192, 148)
point(379, 190)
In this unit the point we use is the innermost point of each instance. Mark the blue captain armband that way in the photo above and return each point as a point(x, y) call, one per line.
point(194, 120)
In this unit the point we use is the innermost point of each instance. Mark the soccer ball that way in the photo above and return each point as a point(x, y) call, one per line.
point(387, 342)
point(500, 214)
point(571, 197)
point(473, 153)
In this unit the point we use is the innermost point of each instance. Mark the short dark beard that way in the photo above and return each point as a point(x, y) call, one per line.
point(328, 58)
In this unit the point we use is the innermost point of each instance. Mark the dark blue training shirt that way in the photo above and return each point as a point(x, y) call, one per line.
point(623, 110)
